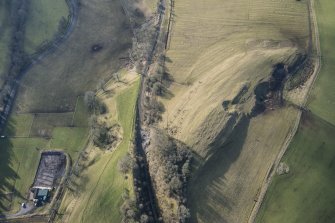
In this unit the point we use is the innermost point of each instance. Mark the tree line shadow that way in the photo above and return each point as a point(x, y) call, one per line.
point(77, 181)
point(8, 175)
point(206, 198)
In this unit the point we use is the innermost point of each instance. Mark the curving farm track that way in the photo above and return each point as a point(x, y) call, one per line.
point(73, 7)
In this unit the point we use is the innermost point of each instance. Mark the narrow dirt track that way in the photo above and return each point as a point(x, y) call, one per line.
point(272, 169)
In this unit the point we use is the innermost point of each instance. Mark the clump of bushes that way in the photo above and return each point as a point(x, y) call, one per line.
point(169, 165)
point(128, 209)
point(94, 104)
point(126, 164)
point(153, 110)
point(103, 135)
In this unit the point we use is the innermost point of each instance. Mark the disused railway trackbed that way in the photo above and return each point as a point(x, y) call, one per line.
point(149, 191)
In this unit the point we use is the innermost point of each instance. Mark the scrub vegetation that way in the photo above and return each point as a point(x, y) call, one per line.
point(170, 167)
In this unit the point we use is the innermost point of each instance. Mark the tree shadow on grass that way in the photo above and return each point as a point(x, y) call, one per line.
point(167, 79)
point(8, 175)
point(78, 179)
point(207, 199)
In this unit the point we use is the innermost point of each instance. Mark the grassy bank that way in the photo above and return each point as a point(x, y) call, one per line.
point(42, 24)
point(54, 84)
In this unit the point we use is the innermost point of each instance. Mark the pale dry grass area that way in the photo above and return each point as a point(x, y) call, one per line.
point(226, 187)
point(217, 83)
point(216, 49)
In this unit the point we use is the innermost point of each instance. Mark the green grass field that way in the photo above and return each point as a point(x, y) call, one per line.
point(5, 32)
point(54, 84)
point(72, 140)
point(81, 115)
point(43, 21)
point(45, 123)
point(19, 160)
point(20, 152)
point(322, 100)
point(106, 199)
point(100, 199)
point(19, 125)
point(307, 193)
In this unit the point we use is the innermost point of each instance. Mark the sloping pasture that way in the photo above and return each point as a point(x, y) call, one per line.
point(217, 48)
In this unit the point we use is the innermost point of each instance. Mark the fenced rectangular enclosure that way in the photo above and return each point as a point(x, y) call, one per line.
point(51, 168)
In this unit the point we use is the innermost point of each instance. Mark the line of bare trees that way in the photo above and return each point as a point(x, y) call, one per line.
point(19, 10)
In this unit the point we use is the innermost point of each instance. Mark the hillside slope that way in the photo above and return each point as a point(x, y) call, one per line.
point(220, 56)
point(306, 193)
